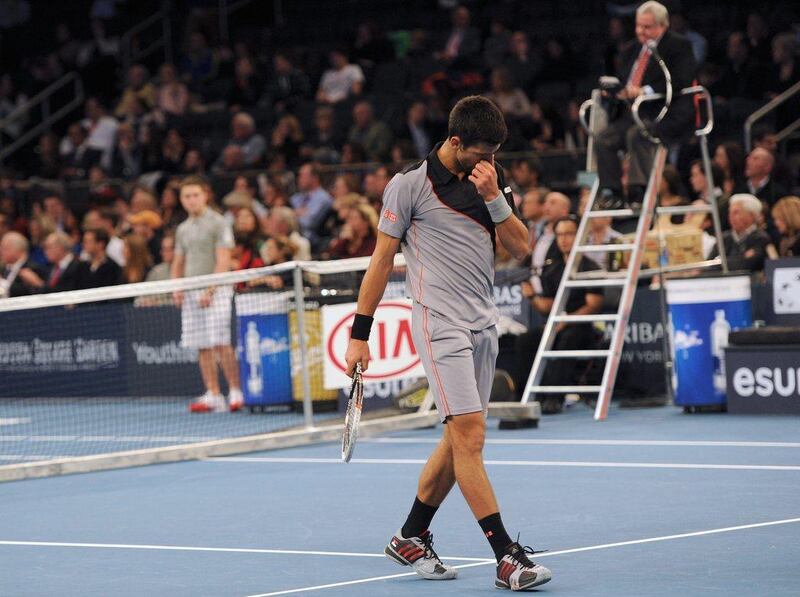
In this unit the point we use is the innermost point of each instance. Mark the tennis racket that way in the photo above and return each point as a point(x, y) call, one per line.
point(353, 415)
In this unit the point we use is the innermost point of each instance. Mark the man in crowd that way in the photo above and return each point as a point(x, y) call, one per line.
point(282, 222)
point(203, 244)
point(745, 243)
point(375, 183)
point(98, 269)
point(532, 208)
point(312, 203)
point(65, 269)
point(252, 145)
point(417, 129)
point(371, 134)
point(18, 271)
point(556, 206)
point(341, 81)
point(525, 174)
point(640, 74)
point(758, 169)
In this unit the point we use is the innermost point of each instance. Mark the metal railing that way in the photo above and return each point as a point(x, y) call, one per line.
point(49, 117)
point(133, 54)
point(766, 109)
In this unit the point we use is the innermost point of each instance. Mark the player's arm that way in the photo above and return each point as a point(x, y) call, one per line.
point(369, 296)
point(510, 230)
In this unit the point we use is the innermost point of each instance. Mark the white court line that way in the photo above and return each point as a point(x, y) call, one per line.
point(212, 549)
point(549, 554)
point(14, 420)
point(591, 442)
point(565, 463)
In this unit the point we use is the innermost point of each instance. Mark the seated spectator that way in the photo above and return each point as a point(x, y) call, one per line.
point(101, 130)
point(525, 175)
point(730, 158)
point(272, 192)
point(522, 63)
point(512, 100)
point(198, 64)
point(147, 225)
point(173, 95)
point(345, 184)
point(162, 270)
point(193, 162)
point(532, 211)
point(556, 206)
point(371, 134)
point(418, 130)
point(402, 154)
point(61, 217)
point(600, 233)
point(138, 88)
point(172, 212)
point(173, 150)
point(341, 81)
point(740, 77)
point(358, 236)
point(20, 276)
point(495, 48)
point(283, 224)
point(247, 85)
point(537, 129)
point(312, 203)
point(251, 145)
point(47, 159)
point(371, 46)
point(39, 227)
point(786, 216)
point(699, 184)
point(98, 270)
point(75, 154)
point(64, 267)
point(462, 45)
point(353, 153)
point(672, 194)
point(287, 136)
point(375, 182)
point(126, 159)
point(581, 301)
point(138, 260)
point(745, 244)
point(277, 250)
point(758, 172)
point(785, 68)
point(289, 85)
point(248, 234)
point(324, 142)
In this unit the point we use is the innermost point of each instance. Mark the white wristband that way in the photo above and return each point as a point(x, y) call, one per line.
point(499, 209)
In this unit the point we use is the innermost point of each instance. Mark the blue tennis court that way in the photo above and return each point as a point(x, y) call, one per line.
point(649, 502)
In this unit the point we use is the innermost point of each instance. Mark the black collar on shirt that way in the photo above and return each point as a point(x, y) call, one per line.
point(436, 169)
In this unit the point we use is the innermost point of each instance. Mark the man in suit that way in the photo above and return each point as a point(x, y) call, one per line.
point(745, 243)
point(65, 268)
point(99, 270)
point(641, 74)
point(759, 175)
point(18, 275)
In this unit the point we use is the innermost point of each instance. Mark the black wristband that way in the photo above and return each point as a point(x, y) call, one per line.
point(361, 327)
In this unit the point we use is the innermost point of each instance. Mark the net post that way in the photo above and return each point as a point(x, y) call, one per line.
point(300, 309)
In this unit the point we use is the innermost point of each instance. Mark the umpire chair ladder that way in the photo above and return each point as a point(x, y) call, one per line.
point(626, 280)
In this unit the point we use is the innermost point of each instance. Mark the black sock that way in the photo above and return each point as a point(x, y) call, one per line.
point(419, 519)
point(496, 533)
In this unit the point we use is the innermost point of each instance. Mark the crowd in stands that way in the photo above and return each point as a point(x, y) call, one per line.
point(300, 172)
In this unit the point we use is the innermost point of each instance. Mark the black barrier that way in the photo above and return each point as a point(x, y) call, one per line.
point(763, 379)
point(111, 349)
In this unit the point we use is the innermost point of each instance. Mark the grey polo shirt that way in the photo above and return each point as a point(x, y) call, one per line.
point(448, 241)
point(198, 238)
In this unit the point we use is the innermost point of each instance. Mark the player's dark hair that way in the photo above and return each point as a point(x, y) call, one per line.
point(476, 119)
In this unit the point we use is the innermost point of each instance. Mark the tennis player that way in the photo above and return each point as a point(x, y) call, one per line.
point(203, 244)
point(447, 212)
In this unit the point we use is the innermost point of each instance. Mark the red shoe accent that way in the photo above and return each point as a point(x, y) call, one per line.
point(236, 406)
point(199, 407)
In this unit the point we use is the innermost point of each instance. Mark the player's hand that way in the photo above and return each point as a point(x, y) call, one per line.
point(177, 297)
point(484, 177)
point(357, 352)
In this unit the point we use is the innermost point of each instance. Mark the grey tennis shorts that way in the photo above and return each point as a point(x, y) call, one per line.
point(459, 362)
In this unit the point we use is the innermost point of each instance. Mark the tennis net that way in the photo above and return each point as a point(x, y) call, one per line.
point(111, 377)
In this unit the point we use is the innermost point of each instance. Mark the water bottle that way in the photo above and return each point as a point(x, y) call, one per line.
point(720, 328)
point(252, 342)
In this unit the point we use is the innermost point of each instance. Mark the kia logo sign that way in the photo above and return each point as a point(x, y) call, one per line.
point(392, 349)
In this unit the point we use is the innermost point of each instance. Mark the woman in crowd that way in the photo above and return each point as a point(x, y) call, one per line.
point(699, 184)
point(786, 215)
point(249, 239)
point(730, 158)
point(345, 183)
point(359, 234)
point(138, 260)
point(172, 212)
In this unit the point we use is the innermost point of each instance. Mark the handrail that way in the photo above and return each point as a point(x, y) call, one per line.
point(129, 57)
point(763, 111)
point(48, 118)
point(695, 89)
point(787, 130)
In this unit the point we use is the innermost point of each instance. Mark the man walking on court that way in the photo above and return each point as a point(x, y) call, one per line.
point(447, 212)
point(203, 244)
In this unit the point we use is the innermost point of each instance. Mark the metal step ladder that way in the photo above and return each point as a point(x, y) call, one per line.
point(626, 280)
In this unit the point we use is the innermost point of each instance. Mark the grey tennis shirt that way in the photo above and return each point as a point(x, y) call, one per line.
point(448, 241)
point(197, 238)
